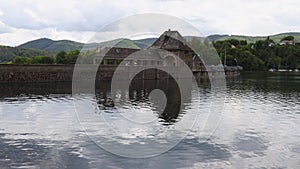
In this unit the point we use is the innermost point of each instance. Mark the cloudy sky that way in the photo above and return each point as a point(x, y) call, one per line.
point(24, 20)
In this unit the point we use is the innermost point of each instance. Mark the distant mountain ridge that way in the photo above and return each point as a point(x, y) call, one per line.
point(67, 45)
point(249, 39)
point(48, 47)
point(51, 45)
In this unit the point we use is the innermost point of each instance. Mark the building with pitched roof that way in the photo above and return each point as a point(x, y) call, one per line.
point(170, 41)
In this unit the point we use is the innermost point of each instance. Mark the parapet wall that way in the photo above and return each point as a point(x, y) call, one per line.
point(35, 73)
point(60, 73)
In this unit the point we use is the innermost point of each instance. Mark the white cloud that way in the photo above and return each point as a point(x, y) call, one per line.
point(4, 28)
point(34, 17)
point(142, 25)
point(63, 15)
point(71, 19)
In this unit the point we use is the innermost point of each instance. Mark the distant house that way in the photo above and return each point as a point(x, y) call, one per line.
point(287, 42)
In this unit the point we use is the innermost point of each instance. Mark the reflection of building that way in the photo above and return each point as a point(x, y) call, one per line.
point(139, 95)
point(170, 41)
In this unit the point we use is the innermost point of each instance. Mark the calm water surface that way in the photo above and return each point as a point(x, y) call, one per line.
point(260, 127)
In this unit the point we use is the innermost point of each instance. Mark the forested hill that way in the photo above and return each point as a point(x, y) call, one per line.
point(66, 45)
point(51, 45)
point(251, 39)
point(9, 53)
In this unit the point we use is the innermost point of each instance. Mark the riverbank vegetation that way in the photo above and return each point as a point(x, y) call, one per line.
point(60, 58)
point(260, 55)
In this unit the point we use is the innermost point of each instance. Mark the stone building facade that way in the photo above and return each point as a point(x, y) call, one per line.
point(170, 41)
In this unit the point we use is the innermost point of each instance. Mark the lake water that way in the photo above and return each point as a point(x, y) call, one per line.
point(259, 127)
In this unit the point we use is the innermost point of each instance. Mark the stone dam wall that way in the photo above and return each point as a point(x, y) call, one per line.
point(61, 73)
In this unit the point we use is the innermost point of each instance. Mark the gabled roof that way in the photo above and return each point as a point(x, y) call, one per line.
point(170, 40)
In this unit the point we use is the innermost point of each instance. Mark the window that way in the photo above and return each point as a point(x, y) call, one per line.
point(110, 61)
point(119, 61)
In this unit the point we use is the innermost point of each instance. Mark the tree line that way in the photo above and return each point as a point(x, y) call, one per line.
point(7, 53)
point(62, 57)
point(261, 55)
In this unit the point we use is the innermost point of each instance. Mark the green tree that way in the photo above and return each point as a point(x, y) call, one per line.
point(42, 60)
point(21, 60)
point(234, 42)
point(261, 55)
point(72, 56)
point(243, 42)
point(61, 57)
point(67, 57)
point(274, 62)
point(250, 62)
point(288, 38)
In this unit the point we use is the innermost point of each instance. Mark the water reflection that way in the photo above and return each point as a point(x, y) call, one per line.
point(259, 129)
point(12, 149)
point(186, 154)
point(250, 145)
point(19, 152)
point(14, 90)
point(139, 96)
point(267, 82)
